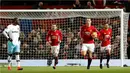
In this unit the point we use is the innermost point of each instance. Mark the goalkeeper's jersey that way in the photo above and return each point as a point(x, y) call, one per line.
point(13, 32)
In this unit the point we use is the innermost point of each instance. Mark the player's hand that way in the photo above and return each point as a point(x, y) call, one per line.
point(107, 36)
point(82, 40)
point(59, 41)
point(48, 43)
point(9, 39)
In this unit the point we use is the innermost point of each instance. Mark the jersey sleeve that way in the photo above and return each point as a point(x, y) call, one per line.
point(6, 31)
point(48, 36)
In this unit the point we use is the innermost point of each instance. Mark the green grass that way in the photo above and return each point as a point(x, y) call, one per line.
point(67, 70)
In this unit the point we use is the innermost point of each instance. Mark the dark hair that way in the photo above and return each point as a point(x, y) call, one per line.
point(14, 20)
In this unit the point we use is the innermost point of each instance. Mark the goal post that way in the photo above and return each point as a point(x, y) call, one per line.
point(69, 21)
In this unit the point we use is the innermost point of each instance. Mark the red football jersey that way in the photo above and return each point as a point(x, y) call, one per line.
point(85, 34)
point(105, 37)
point(54, 37)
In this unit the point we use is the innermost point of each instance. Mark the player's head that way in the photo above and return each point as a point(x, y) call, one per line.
point(54, 27)
point(15, 21)
point(88, 22)
point(106, 26)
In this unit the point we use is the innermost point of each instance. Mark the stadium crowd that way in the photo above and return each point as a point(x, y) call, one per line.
point(33, 44)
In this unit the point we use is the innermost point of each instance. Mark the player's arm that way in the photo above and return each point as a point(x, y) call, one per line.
point(60, 39)
point(48, 41)
point(101, 35)
point(6, 31)
point(109, 36)
point(97, 32)
point(81, 34)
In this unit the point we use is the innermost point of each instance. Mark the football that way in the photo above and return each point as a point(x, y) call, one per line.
point(94, 34)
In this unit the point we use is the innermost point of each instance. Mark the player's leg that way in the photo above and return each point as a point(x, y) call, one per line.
point(84, 50)
point(10, 53)
point(17, 57)
point(90, 52)
point(50, 57)
point(9, 61)
point(101, 56)
point(56, 52)
point(108, 49)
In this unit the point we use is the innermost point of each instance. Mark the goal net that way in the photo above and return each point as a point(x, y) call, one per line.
point(34, 25)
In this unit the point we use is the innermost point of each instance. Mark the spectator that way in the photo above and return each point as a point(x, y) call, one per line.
point(77, 5)
point(117, 2)
point(128, 48)
point(127, 6)
point(89, 5)
point(38, 6)
point(70, 35)
point(22, 36)
point(78, 49)
point(117, 7)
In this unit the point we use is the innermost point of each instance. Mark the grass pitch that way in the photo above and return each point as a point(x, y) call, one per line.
point(66, 69)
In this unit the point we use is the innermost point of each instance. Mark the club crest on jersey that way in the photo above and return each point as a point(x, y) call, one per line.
point(87, 33)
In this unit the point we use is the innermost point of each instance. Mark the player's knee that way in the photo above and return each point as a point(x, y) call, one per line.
point(108, 52)
point(55, 54)
point(90, 54)
point(83, 53)
point(16, 53)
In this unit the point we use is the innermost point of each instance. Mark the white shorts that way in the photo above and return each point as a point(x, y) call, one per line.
point(55, 49)
point(103, 49)
point(86, 47)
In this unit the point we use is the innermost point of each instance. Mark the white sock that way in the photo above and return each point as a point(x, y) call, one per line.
point(9, 60)
point(18, 60)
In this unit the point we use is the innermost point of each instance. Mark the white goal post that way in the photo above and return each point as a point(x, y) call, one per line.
point(69, 18)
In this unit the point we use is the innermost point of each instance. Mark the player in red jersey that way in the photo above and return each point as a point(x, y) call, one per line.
point(105, 37)
point(88, 33)
point(53, 39)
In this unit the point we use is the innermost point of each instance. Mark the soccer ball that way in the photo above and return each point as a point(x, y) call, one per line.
point(94, 34)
